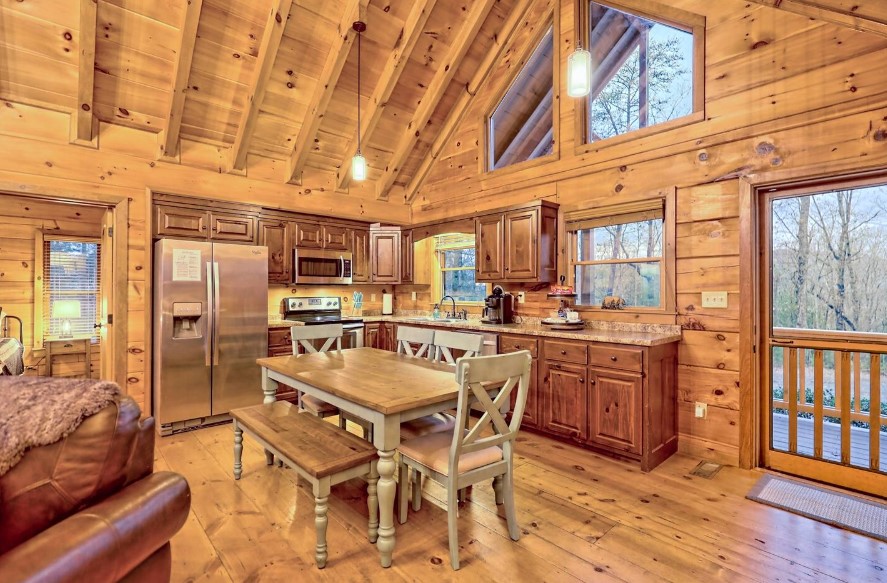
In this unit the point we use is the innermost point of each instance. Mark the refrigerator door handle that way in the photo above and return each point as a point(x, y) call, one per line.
point(209, 311)
point(216, 312)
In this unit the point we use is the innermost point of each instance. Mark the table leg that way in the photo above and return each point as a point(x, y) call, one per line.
point(387, 487)
point(373, 503)
point(238, 450)
point(269, 388)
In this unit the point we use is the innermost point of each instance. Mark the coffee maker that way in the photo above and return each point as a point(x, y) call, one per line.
point(498, 307)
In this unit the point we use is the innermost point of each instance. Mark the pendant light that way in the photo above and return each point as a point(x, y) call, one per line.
point(358, 163)
point(579, 72)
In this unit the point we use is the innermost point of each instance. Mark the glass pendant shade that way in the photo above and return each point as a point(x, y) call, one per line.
point(579, 73)
point(358, 167)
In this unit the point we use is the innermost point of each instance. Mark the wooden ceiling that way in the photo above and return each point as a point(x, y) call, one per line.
point(269, 78)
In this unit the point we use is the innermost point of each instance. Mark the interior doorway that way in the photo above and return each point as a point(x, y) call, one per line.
point(59, 280)
point(823, 332)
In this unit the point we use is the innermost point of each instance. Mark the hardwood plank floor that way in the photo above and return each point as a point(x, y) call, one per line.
point(584, 517)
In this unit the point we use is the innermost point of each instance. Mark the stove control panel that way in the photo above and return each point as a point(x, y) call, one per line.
point(311, 304)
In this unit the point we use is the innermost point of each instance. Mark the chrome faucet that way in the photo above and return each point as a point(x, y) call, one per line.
point(452, 299)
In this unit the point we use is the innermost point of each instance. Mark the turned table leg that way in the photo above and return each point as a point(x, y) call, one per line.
point(387, 487)
point(373, 503)
point(238, 450)
point(269, 389)
point(320, 524)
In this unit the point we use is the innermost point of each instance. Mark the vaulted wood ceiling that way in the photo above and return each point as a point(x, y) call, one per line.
point(269, 78)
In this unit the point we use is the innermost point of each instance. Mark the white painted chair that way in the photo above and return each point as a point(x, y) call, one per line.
point(308, 337)
point(407, 337)
point(445, 341)
point(484, 451)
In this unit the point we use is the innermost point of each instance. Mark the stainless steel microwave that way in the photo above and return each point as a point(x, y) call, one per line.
point(322, 266)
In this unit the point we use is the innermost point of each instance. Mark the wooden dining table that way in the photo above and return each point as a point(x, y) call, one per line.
point(382, 387)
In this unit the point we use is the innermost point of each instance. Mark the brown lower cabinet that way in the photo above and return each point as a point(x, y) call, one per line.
point(616, 399)
point(380, 335)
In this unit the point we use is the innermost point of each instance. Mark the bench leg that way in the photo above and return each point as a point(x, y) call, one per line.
point(373, 503)
point(238, 450)
point(320, 524)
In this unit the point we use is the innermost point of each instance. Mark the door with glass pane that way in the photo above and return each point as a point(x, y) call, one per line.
point(824, 333)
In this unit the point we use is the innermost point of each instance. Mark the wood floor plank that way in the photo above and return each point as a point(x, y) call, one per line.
point(584, 517)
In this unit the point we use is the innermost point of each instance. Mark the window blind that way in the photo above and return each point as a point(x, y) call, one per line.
point(71, 274)
point(647, 210)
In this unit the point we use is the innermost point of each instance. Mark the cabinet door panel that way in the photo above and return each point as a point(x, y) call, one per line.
point(309, 235)
point(615, 409)
point(235, 228)
point(531, 410)
point(406, 257)
point(385, 256)
point(180, 222)
point(360, 256)
point(488, 241)
point(335, 237)
point(521, 245)
point(564, 400)
point(371, 335)
point(276, 236)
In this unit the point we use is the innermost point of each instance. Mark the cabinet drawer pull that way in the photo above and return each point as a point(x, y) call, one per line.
point(613, 358)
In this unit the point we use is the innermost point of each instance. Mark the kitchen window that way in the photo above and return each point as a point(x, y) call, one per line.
point(647, 68)
point(624, 252)
point(455, 253)
point(71, 287)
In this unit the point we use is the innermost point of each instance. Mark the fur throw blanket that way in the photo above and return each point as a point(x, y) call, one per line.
point(37, 411)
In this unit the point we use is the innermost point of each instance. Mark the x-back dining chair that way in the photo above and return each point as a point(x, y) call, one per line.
point(331, 336)
point(445, 341)
point(470, 455)
point(407, 337)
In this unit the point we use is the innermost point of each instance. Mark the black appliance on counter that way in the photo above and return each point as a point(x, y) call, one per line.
point(324, 310)
point(498, 307)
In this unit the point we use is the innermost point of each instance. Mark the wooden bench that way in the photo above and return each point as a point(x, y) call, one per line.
point(318, 451)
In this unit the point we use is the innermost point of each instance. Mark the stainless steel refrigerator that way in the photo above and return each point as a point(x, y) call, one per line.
point(210, 326)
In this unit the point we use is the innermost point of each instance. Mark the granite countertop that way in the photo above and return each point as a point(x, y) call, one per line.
point(616, 333)
point(612, 332)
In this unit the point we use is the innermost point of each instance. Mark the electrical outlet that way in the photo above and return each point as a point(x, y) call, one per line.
point(521, 297)
point(414, 296)
point(372, 297)
point(701, 410)
point(714, 300)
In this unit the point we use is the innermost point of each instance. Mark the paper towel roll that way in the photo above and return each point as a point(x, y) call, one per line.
point(387, 304)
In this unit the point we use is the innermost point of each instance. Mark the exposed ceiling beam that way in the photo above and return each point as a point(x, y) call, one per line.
point(169, 137)
point(457, 112)
point(543, 144)
point(522, 142)
point(409, 36)
point(82, 119)
point(866, 16)
point(323, 92)
point(273, 33)
point(433, 94)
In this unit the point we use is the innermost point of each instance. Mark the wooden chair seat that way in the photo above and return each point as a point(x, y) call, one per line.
point(433, 451)
point(320, 452)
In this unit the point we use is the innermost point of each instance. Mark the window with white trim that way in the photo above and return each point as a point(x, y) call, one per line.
point(71, 287)
point(456, 268)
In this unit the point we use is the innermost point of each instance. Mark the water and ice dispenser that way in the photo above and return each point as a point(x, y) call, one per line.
point(186, 319)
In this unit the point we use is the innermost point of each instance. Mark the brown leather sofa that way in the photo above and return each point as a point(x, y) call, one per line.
point(90, 507)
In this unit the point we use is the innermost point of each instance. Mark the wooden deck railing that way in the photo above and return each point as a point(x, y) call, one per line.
point(848, 396)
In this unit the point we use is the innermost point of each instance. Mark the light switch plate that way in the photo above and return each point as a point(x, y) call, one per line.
point(714, 299)
point(414, 296)
point(701, 410)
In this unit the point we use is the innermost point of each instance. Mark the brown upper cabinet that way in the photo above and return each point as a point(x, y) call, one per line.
point(276, 235)
point(406, 256)
point(335, 237)
point(173, 221)
point(385, 255)
point(360, 256)
point(518, 244)
point(308, 235)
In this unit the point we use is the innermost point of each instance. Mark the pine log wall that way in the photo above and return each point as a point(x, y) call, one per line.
point(785, 95)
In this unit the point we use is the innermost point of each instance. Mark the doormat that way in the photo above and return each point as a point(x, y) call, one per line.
point(706, 470)
point(835, 508)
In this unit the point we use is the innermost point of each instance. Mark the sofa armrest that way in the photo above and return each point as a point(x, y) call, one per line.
point(106, 541)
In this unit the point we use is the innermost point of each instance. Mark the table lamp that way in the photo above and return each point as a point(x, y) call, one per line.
point(66, 309)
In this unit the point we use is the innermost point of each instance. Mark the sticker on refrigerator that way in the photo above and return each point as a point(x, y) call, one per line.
point(186, 265)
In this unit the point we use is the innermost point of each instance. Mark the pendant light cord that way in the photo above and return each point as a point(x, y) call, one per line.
point(358, 91)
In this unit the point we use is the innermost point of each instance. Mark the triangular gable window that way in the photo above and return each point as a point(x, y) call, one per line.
point(522, 125)
point(642, 72)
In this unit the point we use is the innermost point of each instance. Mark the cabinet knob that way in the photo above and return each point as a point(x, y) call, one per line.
point(563, 352)
point(581, 380)
point(613, 358)
point(592, 381)
point(203, 228)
